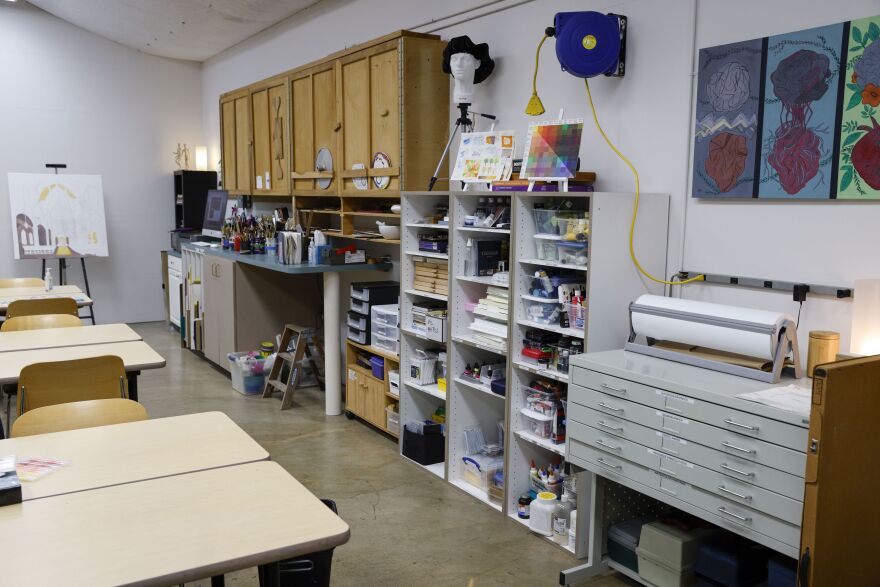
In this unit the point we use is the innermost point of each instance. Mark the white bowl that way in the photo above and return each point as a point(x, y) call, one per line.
point(389, 232)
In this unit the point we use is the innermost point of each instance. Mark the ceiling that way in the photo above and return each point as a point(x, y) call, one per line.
point(181, 29)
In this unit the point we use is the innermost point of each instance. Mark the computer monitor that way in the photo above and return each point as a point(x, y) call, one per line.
point(215, 213)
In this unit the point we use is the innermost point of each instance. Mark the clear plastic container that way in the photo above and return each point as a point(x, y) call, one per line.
point(541, 425)
point(547, 286)
point(391, 345)
point(358, 321)
point(479, 470)
point(553, 221)
point(360, 307)
point(359, 336)
point(540, 402)
point(387, 314)
point(543, 311)
point(392, 419)
point(572, 253)
point(383, 330)
point(545, 250)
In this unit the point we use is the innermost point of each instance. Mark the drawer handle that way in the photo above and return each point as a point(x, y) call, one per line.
point(617, 389)
point(612, 408)
point(727, 467)
point(610, 427)
point(605, 463)
point(743, 426)
point(723, 489)
point(733, 515)
point(600, 442)
point(734, 447)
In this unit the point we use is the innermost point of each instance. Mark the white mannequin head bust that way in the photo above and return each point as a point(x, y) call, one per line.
point(468, 64)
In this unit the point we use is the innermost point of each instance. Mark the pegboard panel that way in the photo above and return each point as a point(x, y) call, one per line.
point(622, 503)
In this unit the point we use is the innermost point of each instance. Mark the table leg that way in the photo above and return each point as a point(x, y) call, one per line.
point(332, 346)
point(132, 377)
point(218, 581)
point(269, 574)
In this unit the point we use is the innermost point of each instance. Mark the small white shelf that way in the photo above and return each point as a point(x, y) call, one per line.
point(548, 373)
point(535, 415)
point(437, 226)
point(478, 493)
point(431, 389)
point(542, 442)
point(546, 263)
point(429, 254)
point(483, 347)
point(552, 328)
point(426, 294)
point(547, 538)
point(477, 387)
point(540, 299)
point(437, 469)
point(481, 280)
point(481, 229)
point(546, 236)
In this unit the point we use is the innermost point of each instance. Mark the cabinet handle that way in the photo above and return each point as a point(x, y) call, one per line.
point(613, 409)
point(723, 489)
point(609, 387)
point(605, 463)
point(726, 467)
point(609, 427)
point(738, 425)
point(337, 127)
point(734, 447)
point(733, 515)
point(384, 113)
point(600, 442)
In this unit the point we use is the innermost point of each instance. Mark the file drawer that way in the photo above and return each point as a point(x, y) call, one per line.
point(738, 421)
point(727, 514)
point(739, 492)
point(730, 443)
point(734, 467)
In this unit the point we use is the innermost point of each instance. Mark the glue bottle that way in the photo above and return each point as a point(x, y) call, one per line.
point(48, 279)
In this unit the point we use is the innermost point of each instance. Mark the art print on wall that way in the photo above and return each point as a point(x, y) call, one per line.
point(791, 116)
point(57, 216)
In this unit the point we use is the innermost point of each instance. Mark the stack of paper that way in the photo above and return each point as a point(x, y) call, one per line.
point(490, 323)
point(422, 310)
point(431, 276)
point(790, 398)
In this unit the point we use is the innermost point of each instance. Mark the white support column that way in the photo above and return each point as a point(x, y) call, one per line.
point(332, 345)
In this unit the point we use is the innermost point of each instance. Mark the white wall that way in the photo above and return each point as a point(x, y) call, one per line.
point(648, 115)
point(70, 96)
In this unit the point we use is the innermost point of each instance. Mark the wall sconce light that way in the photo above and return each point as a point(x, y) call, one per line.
point(202, 158)
point(865, 337)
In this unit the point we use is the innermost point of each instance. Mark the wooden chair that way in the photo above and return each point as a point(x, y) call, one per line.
point(22, 282)
point(59, 382)
point(40, 321)
point(74, 415)
point(42, 306)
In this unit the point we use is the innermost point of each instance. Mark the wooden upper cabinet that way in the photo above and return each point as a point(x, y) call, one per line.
point(236, 138)
point(315, 127)
point(270, 110)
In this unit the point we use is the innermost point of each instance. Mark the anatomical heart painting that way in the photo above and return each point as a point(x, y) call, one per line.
point(791, 116)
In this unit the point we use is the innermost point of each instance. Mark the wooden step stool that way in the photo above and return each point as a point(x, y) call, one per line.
point(301, 339)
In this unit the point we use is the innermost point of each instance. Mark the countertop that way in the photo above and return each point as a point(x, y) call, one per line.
point(271, 263)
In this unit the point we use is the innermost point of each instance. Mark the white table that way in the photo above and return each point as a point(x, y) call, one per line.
point(45, 338)
point(135, 451)
point(166, 531)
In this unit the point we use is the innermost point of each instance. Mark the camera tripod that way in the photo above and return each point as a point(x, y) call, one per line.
point(463, 123)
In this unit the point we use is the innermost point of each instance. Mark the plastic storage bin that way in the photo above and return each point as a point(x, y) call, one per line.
point(666, 554)
point(479, 470)
point(537, 357)
point(623, 539)
point(360, 307)
point(377, 365)
point(547, 286)
point(394, 383)
point(543, 311)
point(376, 292)
point(781, 572)
point(545, 249)
point(359, 336)
point(386, 315)
point(732, 562)
point(248, 377)
point(392, 419)
point(426, 448)
point(540, 425)
point(539, 401)
point(552, 220)
point(572, 253)
point(392, 345)
point(384, 330)
point(359, 321)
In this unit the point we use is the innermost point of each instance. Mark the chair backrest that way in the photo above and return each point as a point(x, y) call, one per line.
point(22, 282)
point(74, 415)
point(42, 306)
point(59, 382)
point(40, 321)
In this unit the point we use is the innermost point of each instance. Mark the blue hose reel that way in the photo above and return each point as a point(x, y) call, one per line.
point(590, 43)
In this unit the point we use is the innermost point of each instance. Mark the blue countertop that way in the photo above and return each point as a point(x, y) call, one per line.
point(271, 263)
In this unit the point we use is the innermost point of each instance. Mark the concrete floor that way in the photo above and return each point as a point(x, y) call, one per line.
point(407, 526)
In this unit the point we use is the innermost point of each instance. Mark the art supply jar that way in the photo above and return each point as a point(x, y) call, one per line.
point(523, 506)
point(823, 348)
point(541, 513)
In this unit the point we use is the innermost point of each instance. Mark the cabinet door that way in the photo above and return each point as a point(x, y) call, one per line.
point(355, 103)
point(315, 125)
point(213, 301)
point(262, 140)
point(271, 136)
point(243, 143)
point(224, 313)
point(376, 403)
point(174, 297)
point(354, 394)
point(227, 134)
point(385, 109)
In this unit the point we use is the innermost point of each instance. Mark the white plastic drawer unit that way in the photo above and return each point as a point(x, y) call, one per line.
point(174, 263)
point(735, 420)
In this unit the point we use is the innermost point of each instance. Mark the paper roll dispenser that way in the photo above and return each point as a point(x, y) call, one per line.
point(741, 341)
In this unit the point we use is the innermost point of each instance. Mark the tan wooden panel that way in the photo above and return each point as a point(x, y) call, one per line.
point(355, 115)
point(136, 451)
point(166, 531)
point(262, 137)
point(385, 108)
point(303, 131)
point(227, 127)
point(324, 92)
point(280, 131)
point(23, 340)
point(136, 355)
point(242, 144)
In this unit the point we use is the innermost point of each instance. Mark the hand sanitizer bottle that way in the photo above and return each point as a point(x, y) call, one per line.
point(48, 279)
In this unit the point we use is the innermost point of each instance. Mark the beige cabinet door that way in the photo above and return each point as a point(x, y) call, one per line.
point(385, 109)
point(315, 125)
point(224, 312)
point(269, 107)
point(243, 144)
point(209, 312)
point(227, 137)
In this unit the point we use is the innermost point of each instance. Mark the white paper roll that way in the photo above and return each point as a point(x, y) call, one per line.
point(752, 344)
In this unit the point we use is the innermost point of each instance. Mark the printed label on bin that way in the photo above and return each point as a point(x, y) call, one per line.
point(666, 458)
point(664, 438)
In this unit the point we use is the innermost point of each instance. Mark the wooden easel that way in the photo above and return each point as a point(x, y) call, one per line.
point(301, 338)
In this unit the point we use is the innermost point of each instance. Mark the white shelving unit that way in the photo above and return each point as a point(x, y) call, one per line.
point(418, 402)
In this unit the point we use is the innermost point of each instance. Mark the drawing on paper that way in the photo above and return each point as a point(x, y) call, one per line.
point(484, 156)
point(57, 216)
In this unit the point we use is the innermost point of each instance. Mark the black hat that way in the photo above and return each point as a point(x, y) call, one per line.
point(480, 52)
